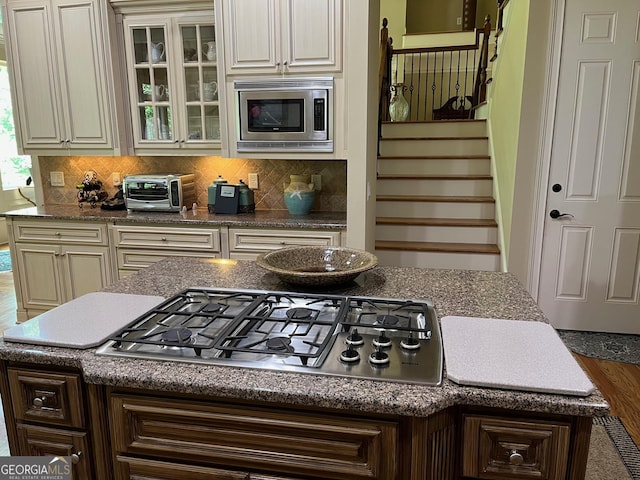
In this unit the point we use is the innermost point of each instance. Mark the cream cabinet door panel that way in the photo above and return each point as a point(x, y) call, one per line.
point(39, 273)
point(82, 74)
point(85, 269)
point(253, 43)
point(314, 30)
point(38, 111)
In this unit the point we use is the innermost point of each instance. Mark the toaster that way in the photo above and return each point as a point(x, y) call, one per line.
point(160, 192)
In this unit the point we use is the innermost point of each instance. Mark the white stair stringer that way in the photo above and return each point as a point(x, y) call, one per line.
point(435, 206)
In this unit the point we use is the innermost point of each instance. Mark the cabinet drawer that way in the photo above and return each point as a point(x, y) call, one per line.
point(130, 258)
point(54, 398)
point(248, 240)
point(177, 238)
point(307, 444)
point(51, 232)
point(43, 441)
point(138, 468)
point(499, 448)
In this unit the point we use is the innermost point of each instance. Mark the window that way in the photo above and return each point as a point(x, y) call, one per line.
point(14, 168)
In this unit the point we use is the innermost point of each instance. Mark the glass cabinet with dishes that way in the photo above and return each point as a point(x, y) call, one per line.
point(173, 81)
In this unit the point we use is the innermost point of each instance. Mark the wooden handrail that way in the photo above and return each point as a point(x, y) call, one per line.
point(480, 87)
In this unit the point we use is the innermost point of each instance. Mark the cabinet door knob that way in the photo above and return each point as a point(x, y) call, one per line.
point(515, 458)
point(39, 402)
point(75, 457)
point(164, 239)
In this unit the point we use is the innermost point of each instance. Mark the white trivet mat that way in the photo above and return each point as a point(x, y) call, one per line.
point(510, 354)
point(84, 322)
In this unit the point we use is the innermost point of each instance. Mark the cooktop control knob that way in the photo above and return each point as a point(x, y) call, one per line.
point(350, 355)
point(379, 358)
point(382, 341)
point(411, 342)
point(354, 338)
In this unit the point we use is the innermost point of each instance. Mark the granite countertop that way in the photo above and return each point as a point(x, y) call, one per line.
point(261, 218)
point(454, 292)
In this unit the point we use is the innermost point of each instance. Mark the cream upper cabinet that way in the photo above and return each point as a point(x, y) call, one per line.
point(282, 36)
point(64, 100)
point(173, 81)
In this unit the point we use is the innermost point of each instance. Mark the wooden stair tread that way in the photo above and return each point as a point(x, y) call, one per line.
point(459, 137)
point(482, 248)
point(437, 222)
point(404, 176)
point(434, 157)
point(435, 198)
point(453, 120)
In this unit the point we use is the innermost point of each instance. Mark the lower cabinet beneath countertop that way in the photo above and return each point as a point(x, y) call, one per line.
point(121, 434)
point(57, 261)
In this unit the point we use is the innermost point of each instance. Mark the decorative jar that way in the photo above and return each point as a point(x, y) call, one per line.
point(299, 195)
point(398, 106)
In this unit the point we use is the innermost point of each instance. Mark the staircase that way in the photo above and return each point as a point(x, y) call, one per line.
point(434, 204)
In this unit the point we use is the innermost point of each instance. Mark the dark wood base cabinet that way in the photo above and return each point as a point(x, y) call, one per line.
point(126, 434)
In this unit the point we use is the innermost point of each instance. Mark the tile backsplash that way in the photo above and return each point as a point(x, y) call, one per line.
point(272, 174)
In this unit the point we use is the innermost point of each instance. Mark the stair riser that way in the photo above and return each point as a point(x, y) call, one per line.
point(433, 147)
point(439, 166)
point(435, 210)
point(418, 233)
point(464, 261)
point(434, 129)
point(481, 188)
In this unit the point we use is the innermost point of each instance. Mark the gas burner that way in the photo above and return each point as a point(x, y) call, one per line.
point(387, 320)
point(214, 308)
point(350, 355)
point(299, 313)
point(178, 336)
point(382, 341)
point(279, 344)
point(410, 343)
point(354, 338)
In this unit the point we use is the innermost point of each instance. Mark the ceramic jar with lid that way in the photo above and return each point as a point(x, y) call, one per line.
point(299, 195)
point(211, 193)
point(246, 202)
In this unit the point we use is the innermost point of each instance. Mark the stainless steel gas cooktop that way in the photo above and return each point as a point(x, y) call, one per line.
point(361, 337)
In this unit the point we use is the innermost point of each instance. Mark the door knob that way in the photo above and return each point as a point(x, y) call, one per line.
point(556, 214)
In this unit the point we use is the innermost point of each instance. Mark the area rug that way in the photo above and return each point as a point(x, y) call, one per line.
point(605, 346)
point(602, 464)
point(5, 260)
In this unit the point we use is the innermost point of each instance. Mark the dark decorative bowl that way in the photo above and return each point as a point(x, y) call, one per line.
point(317, 265)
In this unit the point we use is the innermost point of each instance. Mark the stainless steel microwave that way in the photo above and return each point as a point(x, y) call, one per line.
point(284, 114)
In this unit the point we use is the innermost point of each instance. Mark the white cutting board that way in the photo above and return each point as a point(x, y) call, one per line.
point(510, 354)
point(84, 322)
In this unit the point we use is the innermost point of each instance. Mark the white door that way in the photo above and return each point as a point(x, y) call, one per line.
point(590, 270)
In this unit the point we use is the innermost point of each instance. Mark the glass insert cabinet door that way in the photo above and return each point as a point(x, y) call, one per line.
point(200, 76)
point(173, 81)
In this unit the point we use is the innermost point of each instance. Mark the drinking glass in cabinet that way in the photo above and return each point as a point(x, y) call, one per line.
point(212, 123)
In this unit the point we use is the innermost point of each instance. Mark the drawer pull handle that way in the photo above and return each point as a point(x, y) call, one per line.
point(515, 458)
point(39, 402)
point(164, 239)
point(58, 234)
point(283, 243)
point(75, 457)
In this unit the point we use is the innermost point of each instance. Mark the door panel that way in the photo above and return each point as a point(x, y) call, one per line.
point(591, 257)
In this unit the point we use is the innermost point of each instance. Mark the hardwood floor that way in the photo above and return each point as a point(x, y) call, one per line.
point(618, 382)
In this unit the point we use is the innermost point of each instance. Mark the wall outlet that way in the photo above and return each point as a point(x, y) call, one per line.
point(253, 181)
point(116, 179)
point(459, 21)
point(56, 179)
point(317, 182)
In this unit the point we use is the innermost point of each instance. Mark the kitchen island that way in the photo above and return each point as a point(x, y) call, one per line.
point(163, 416)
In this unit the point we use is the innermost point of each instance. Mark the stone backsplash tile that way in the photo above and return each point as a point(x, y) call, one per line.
point(272, 175)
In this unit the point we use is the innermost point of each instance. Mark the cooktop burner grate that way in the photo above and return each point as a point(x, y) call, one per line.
point(361, 337)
